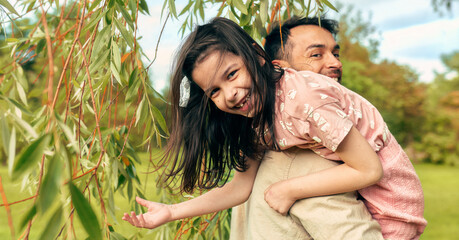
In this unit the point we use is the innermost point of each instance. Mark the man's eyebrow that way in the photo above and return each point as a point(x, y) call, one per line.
point(315, 46)
point(312, 46)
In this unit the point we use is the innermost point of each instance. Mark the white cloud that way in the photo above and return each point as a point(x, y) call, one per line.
point(420, 46)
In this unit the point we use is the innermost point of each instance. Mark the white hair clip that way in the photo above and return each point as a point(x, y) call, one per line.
point(184, 92)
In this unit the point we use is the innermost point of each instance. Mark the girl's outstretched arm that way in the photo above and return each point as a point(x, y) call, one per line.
point(231, 194)
point(361, 169)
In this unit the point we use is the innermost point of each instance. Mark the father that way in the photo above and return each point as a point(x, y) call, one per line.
point(302, 44)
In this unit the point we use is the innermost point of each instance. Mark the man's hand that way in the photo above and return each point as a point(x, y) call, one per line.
point(278, 198)
point(157, 215)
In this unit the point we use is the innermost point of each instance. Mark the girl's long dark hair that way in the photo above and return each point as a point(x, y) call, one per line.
point(205, 142)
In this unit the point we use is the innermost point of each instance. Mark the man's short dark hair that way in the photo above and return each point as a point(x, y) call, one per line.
point(273, 41)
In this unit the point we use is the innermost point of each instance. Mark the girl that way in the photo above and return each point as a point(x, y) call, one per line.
point(256, 106)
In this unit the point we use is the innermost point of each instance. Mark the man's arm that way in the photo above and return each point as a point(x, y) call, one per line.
point(231, 194)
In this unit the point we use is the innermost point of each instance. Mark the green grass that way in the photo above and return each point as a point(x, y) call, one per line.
point(440, 183)
point(441, 193)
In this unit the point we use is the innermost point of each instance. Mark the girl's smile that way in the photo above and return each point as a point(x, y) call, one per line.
point(225, 80)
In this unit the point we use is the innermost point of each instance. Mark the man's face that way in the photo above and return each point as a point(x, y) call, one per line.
point(314, 49)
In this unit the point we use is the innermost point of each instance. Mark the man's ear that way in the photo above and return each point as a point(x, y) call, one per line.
point(281, 63)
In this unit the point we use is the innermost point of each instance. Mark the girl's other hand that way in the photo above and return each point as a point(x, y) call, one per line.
point(157, 215)
point(278, 197)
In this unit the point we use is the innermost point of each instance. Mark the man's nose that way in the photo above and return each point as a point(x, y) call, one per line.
point(333, 61)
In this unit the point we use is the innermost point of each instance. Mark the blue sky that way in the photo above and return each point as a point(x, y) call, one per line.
point(411, 33)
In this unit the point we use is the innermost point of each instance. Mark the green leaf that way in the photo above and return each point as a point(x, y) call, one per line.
point(21, 93)
point(126, 15)
point(26, 126)
point(87, 216)
point(132, 77)
point(116, 55)
point(11, 150)
point(240, 6)
point(64, 155)
point(264, 11)
point(101, 61)
point(111, 3)
point(132, 154)
point(95, 20)
point(5, 133)
point(326, 2)
point(186, 8)
point(115, 73)
point(57, 4)
point(196, 222)
point(41, 45)
point(50, 185)
point(32, 154)
point(124, 32)
point(159, 118)
point(100, 42)
point(28, 216)
point(111, 200)
point(31, 5)
point(94, 4)
point(52, 229)
point(69, 134)
point(132, 4)
point(129, 188)
point(201, 11)
point(143, 6)
point(18, 105)
point(109, 16)
point(117, 236)
point(139, 111)
point(172, 9)
point(245, 20)
point(8, 6)
point(132, 92)
point(231, 16)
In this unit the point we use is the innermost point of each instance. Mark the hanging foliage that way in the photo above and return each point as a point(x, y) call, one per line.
point(77, 105)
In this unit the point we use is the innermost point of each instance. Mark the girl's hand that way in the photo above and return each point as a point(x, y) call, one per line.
point(157, 215)
point(278, 198)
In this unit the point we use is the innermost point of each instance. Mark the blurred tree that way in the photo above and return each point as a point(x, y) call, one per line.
point(440, 5)
point(442, 128)
point(393, 89)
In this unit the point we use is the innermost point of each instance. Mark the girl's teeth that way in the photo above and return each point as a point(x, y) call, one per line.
point(246, 100)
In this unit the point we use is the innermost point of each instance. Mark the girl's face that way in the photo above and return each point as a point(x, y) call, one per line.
point(227, 82)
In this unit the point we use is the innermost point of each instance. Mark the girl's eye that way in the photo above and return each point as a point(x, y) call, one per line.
point(336, 55)
point(231, 74)
point(213, 92)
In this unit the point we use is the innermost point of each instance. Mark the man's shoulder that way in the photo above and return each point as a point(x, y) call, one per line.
point(302, 90)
